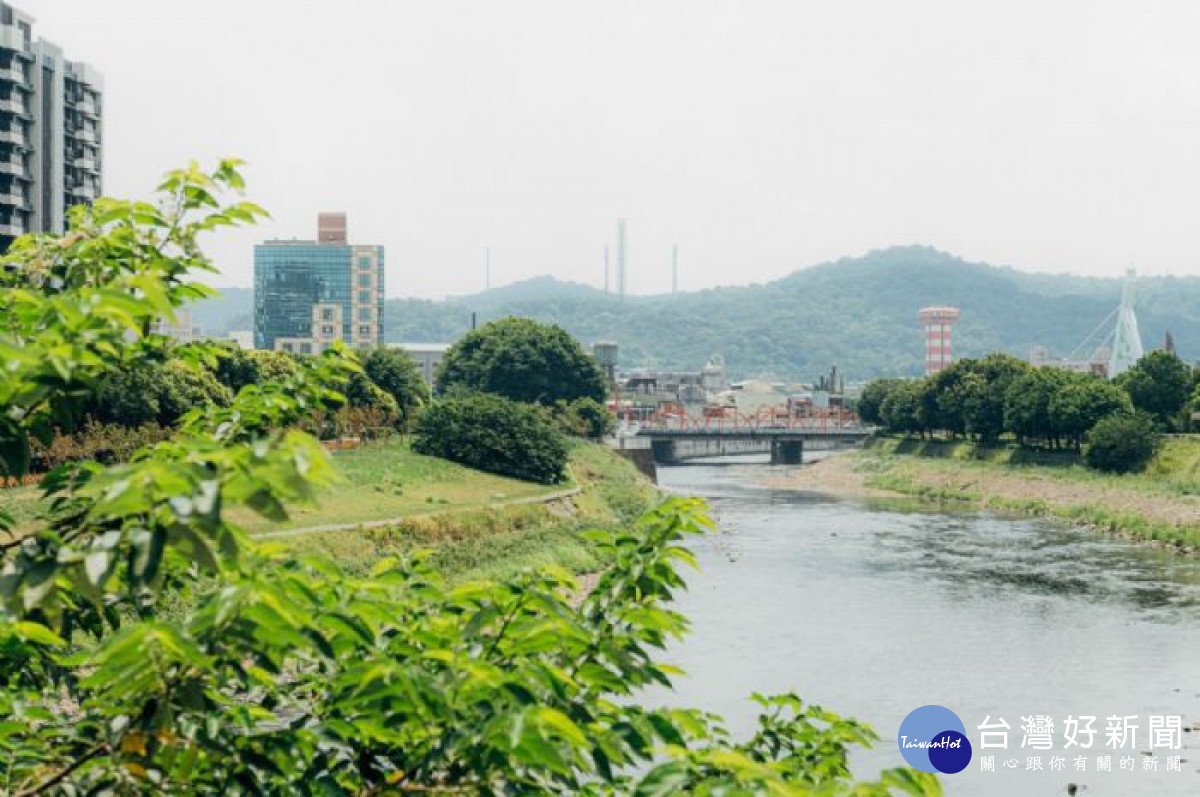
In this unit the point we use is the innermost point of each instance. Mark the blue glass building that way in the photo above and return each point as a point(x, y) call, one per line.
point(308, 294)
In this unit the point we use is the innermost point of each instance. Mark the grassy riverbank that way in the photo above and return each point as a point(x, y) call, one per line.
point(1160, 505)
point(469, 518)
point(476, 535)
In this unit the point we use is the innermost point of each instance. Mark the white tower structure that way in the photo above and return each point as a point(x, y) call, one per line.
point(1127, 341)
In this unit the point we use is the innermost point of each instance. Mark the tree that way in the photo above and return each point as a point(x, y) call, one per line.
point(156, 392)
point(870, 402)
point(201, 664)
point(395, 371)
point(522, 360)
point(1121, 443)
point(901, 410)
point(1027, 404)
point(494, 434)
point(1081, 402)
point(983, 405)
point(1161, 385)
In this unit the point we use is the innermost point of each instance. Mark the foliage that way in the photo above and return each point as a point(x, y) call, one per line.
point(1081, 402)
point(901, 407)
point(1027, 403)
point(396, 372)
point(495, 435)
point(584, 417)
point(522, 360)
point(235, 367)
point(282, 675)
point(103, 442)
point(1160, 384)
point(1121, 443)
point(870, 402)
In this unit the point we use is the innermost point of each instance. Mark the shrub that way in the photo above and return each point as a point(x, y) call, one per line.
point(584, 417)
point(1121, 443)
point(495, 435)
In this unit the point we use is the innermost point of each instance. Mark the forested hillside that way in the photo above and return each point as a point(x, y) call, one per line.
point(859, 313)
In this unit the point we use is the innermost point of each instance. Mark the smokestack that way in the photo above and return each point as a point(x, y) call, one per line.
point(621, 273)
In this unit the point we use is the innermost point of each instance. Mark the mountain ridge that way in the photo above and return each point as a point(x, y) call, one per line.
point(858, 312)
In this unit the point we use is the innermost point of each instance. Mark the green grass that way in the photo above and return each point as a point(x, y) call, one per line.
point(494, 542)
point(386, 480)
point(897, 465)
point(1175, 469)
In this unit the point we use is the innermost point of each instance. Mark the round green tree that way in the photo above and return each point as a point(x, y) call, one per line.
point(523, 360)
point(1159, 384)
point(1121, 443)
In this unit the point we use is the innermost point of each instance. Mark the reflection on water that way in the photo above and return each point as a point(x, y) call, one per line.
point(874, 609)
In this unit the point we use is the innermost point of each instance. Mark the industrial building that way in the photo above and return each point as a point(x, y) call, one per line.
point(308, 294)
point(51, 132)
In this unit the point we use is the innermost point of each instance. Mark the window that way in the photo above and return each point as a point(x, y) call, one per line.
point(287, 347)
point(327, 314)
point(364, 280)
point(306, 348)
point(364, 332)
point(327, 330)
point(364, 297)
point(365, 314)
point(364, 262)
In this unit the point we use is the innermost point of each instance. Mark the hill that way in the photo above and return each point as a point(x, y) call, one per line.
point(859, 313)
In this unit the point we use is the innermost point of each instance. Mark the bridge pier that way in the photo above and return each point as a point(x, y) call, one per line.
point(664, 451)
point(787, 452)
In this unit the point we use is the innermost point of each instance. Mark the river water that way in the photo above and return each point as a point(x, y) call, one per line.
point(872, 609)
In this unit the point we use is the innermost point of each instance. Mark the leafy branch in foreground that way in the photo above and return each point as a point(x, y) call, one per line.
point(148, 646)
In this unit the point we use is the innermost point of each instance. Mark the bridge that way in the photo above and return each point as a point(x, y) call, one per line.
point(675, 438)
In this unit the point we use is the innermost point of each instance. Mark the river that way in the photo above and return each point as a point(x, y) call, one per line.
point(872, 609)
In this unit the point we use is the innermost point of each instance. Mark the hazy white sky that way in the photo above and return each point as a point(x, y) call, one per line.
point(759, 135)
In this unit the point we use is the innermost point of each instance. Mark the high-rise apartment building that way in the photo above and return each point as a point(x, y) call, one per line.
point(50, 131)
point(308, 294)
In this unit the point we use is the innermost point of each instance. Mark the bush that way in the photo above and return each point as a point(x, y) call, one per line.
point(106, 443)
point(584, 417)
point(1121, 443)
point(495, 435)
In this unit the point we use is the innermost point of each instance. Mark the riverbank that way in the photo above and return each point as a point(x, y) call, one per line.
point(490, 535)
point(1160, 506)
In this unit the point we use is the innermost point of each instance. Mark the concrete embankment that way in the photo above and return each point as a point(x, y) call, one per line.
point(1160, 506)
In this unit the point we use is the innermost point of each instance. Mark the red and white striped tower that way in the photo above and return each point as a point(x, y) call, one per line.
point(938, 322)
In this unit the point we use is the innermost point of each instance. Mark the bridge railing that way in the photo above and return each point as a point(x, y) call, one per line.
point(761, 421)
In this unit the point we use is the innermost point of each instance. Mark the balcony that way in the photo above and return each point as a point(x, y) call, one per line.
point(85, 134)
point(87, 164)
point(88, 108)
point(13, 200)
point(15, 168)
point(12, 227)
point(12, 105)
point(14, 137)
